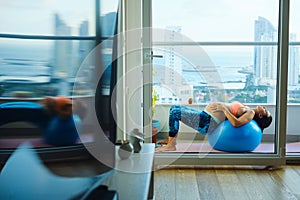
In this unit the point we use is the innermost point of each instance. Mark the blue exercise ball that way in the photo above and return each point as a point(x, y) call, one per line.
point(62, 131)
point(228, 138)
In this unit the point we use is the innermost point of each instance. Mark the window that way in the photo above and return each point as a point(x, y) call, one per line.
point(43, 45)
point(292, 133)
point(220, 53)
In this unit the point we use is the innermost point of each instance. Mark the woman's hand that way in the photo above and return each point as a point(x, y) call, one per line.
point(218, 107)
point(221, 107)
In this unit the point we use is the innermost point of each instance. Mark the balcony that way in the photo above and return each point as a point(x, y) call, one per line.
point(187, 135)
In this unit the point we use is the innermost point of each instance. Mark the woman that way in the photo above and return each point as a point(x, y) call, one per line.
point(63, 106)
point(214, 113)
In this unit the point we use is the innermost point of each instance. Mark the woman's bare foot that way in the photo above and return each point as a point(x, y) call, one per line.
point(171, 146)
point(163, 142)
point(167, 147)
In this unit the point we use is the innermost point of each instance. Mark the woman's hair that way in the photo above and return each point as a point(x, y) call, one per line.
point(64, 106)
point(263, 122)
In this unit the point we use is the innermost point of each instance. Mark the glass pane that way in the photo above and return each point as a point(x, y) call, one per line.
point(57, 17)
point(293, 131)
point(34, 68)
point(40, 68)
point(226, 53)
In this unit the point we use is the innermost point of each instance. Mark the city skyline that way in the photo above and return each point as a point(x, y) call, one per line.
point(61, 59)
point(67, 56)
point(170, 82)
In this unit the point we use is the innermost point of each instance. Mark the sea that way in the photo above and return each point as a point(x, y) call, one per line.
point(232, 69)
point(231, 66)
point(24, 63)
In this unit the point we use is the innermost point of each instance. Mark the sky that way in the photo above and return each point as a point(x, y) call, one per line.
point(201, 20)
point(37, 16)
point(220, 20)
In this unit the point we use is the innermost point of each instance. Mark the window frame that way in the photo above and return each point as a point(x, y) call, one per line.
point(55, 153)
point(279, 156)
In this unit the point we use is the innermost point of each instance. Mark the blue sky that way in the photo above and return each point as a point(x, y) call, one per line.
point(36, 16)
point(201, 20)
point(219, 20)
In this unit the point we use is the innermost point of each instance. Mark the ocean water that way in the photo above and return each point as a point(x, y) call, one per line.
point(230, 77)
point(38, 57)
point(31, 52)
point(229, 63)
point(28, 63)
point(229, 68)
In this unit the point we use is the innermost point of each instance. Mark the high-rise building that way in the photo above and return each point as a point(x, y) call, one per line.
point(108, 23)
point(264, 56)
point(173, 61)
point(167, 76)
point(84, 45)
point(293, 70)
point(63, 50)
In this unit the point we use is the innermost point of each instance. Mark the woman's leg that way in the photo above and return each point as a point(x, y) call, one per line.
point(189, 116)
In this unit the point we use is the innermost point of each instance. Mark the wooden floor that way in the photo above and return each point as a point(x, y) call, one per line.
point(217, 183)
point(207, 182)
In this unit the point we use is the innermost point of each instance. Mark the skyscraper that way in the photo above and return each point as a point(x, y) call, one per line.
point(264, 55)
point(173, 61)
point(293, 63)
point(63, 61)
point(84, 46)
point(108, 24)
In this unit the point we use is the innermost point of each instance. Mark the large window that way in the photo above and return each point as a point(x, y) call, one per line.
point(44, 43)
point(293, 137)
point(34, 67)
point(44, 46)
point(210, 53)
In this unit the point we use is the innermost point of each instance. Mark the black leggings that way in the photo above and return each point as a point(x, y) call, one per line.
point(198, 120)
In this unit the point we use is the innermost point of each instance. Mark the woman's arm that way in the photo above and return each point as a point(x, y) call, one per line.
point(236, 122)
